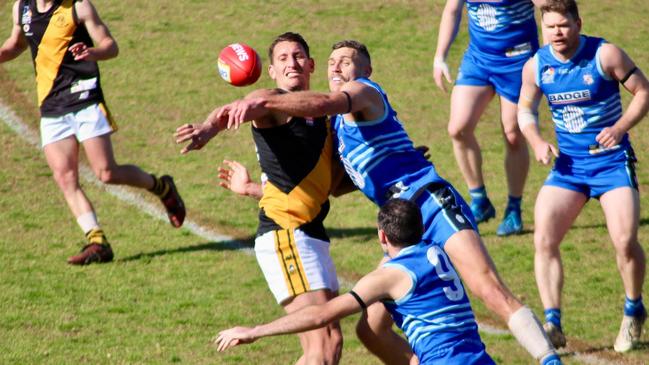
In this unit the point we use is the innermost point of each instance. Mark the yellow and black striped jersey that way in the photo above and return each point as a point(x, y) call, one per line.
point(64, 85)
point(295, 160)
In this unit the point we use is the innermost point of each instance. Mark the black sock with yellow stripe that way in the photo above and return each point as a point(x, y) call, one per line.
point(160, 187)
point(96, 236)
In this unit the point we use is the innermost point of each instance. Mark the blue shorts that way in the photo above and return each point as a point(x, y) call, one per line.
point(464, 352)
point(595, 177)
point(505, 77)
point(444, 212)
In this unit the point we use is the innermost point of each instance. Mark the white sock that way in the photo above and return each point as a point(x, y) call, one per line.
point(529, 333)
point(87, 221)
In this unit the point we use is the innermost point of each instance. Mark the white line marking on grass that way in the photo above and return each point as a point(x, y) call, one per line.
point(21, 129)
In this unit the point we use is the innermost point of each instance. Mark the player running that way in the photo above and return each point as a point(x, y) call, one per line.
point(381, 160)
point(60, 35)
point(580, 76)
point(502, 36)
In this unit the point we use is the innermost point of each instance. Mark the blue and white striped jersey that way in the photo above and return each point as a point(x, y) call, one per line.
point(435, 314)
point(503, 28)
point(582, 98)
point(379, 156)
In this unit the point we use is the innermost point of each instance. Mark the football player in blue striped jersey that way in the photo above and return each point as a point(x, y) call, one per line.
point(580, 77)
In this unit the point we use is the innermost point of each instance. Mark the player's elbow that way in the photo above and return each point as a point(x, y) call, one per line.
point(113, 49)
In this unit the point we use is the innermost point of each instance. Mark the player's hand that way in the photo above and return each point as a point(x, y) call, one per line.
point(241, 111)
point(609, 137)
point(544, 151)
point(81, 52)
point(233, 337)
point(235, 177)
point(424, 151)
point(440, 68)
point(198, 134)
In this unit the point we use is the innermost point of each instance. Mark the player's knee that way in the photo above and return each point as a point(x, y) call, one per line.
point(457, 132)
point(514, 140)
point(364, 332)
point(66, 180)
point(105, 175)
point(546, 246)
point(626, 244)
point(369, 331)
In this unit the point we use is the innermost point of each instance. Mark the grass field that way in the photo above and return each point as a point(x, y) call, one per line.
point(170, 291)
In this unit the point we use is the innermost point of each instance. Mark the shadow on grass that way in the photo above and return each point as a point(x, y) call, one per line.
point(234, 245)
point(365, 233)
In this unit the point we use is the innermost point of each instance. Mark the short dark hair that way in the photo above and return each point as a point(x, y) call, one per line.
point(288, 37)
point(401, 221)
point(563, 7)
point(358, 46)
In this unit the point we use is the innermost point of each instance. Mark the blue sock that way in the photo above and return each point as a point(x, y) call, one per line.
point(553, 315)
point(514, 204)
point(479, 196)
point(552, 359)
point(633, 308)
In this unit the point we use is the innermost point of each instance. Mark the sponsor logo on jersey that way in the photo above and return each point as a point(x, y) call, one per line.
point(519, 49)
point(487, 17)
point(595, 149)
point(569, 97)
point(27, 15)
point(547, 76)
point(26, 19)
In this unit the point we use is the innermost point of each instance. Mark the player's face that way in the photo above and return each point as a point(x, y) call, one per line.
point(345, 64)
point(562, 31)
point(291, 68)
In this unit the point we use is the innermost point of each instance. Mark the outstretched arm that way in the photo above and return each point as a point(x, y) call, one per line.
point(200, 134)
point(16, 43)
point(448, 28)
point(528, 115)
point(617, 64)
point(363, 100)
point(371, 288)
point(105, 45)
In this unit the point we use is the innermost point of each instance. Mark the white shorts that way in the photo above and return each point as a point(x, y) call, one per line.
point(294, 263)
point(90, 122)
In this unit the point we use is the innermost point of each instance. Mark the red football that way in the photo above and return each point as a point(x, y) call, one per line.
point(239, 64)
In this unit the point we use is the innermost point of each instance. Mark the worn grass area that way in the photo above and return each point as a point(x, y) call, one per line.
point(169, 291)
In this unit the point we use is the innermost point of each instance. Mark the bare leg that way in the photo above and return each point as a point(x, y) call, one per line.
point(517, 159)
point(467, 105)
point(470, 258)
point(622, 210)
point(63, 158)
point(555, 211)
point(374, 329)
point(322, 345)
point(99, 151)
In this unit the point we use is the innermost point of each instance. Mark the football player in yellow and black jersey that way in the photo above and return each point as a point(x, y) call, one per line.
point(67, 38)
point(295, 155)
